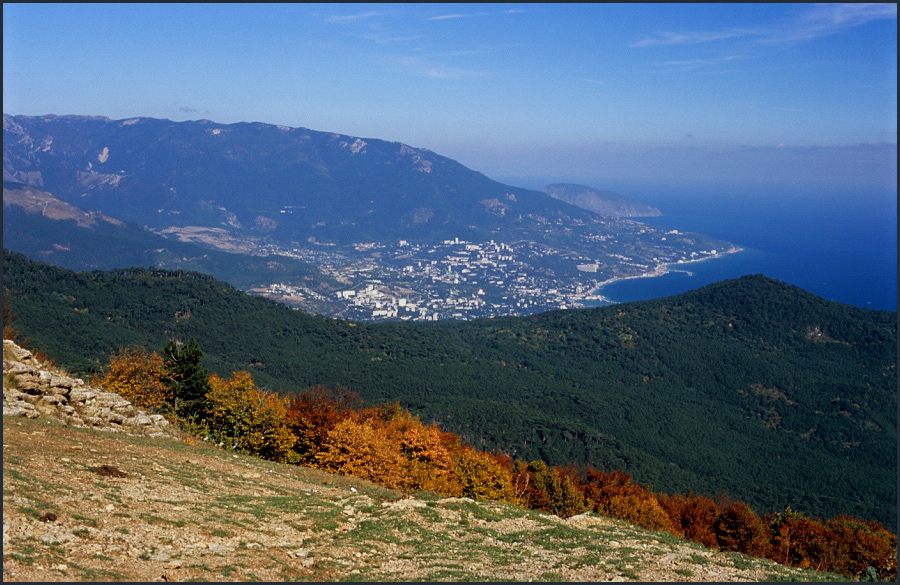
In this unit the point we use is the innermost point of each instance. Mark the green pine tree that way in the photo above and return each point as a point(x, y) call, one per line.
point(187, 380)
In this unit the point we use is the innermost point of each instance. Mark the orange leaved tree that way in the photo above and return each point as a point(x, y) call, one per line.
point(137, 375)
point(360, 449)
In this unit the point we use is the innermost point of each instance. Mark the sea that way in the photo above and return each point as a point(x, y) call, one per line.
point(838, 243)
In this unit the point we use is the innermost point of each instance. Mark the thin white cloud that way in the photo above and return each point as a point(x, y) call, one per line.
point(821, 20)
point(829, 19)
point(473, 15)
point(691, 38)
point(353, 17)
point(844, 15)
point(697, 63)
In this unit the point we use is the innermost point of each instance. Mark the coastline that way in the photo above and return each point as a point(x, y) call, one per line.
point(594, 295)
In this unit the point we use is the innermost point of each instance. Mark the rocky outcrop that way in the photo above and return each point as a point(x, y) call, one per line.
point(32, 390)
point(599, 202)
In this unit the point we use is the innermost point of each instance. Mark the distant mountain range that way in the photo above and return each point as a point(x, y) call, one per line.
point(290, 184)
point(599, 202)
point(89, 192)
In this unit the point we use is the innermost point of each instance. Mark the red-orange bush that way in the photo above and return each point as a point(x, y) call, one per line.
point(857, 545)
point(693, 516)
point(312, 414)
point(740, 529)
point(798, 541)
point(358, 448)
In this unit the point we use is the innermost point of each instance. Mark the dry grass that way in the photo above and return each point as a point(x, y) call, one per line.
point(196, 512)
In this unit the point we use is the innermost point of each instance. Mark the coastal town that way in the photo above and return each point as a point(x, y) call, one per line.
point(460, 279)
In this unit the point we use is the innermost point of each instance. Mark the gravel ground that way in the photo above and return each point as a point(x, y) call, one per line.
point(82, 504)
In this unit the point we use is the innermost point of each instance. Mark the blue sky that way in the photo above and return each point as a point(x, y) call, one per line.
point(795, 93)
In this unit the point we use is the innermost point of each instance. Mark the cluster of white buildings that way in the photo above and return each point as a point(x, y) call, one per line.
point(459, 279)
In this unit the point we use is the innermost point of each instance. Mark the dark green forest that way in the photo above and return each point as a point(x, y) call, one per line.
point(748, 387)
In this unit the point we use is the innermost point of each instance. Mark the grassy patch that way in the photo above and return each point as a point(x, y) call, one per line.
point(95, 574)
point(430, 515)
point(684, 572)
point(85, 520)
point(154, 519)
point(82, 533)
point(741, 562)
point(698, 559)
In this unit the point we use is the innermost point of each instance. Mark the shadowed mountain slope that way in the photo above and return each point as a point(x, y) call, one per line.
point(288, 183)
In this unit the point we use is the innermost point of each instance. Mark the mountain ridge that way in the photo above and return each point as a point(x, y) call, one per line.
point(164, 171)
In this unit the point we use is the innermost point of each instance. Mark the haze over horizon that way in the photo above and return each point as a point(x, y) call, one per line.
point(793, 94)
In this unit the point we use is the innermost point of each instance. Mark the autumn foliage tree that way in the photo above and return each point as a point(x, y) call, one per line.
point(857, 545)
point(738, 528)
point(248, 418)
point(312, 414)
point(613, 494)
point(362, 449)
point(482, 477)
point(797, 540)
point(693, 516)
point(137, 375)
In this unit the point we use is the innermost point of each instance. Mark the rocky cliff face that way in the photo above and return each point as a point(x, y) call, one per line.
point(32, 390)
point(599, 202)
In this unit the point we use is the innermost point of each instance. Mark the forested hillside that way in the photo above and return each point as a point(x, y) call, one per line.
point(750, 386)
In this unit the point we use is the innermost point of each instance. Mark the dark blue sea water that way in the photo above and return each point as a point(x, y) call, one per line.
point(839, 244)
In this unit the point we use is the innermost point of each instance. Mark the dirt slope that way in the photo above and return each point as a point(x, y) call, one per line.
point(82, 504)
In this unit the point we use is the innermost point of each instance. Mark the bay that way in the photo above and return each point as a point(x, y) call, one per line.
point(838, 243)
